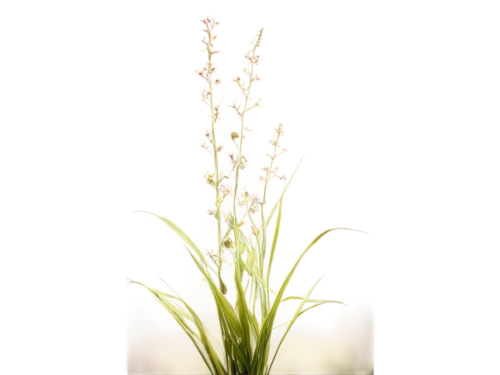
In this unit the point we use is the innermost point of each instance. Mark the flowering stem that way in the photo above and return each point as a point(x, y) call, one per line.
point(216, 159)
point(240, 148)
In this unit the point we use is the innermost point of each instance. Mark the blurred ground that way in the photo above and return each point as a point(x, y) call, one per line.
point(343, 344)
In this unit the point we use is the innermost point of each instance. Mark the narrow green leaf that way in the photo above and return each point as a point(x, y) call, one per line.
point(297, 313)
point(242, 307)
point(180, 233)
point(187, 316)
point(211, 359)
point(243, 266)
point(223, 306)
point(309, 308)
point(208, 363)
point(275, 241)
point(206, 342)
point(311, 300)
point(263, 342)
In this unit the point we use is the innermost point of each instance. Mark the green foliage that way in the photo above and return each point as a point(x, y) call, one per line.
point(246, 339)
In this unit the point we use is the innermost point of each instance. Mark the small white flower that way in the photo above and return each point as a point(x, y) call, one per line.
point(211, 212)
point(225, 189)
point(282, 151)
point(241, 202)
point(220, 147)
point(273, 142)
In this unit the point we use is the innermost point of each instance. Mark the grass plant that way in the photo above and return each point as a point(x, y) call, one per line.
point(248, 232)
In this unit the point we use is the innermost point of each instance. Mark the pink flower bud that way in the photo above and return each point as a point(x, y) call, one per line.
point(223, 175)
point(279, 131)
point(232, 158)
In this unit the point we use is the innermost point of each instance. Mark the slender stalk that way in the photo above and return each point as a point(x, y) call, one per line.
point(242, 128)
point(246, 93)
point(216, 158)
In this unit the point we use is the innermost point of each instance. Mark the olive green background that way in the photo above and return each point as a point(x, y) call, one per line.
point(79, 147)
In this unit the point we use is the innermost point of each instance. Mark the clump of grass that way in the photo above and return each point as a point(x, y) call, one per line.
point(247, 326)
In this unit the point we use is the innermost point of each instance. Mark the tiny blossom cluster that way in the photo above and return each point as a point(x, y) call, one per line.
point(271, 172)
point(207, 71)
point(203, 143)
point(253, 59)
point(233, 158)
point(204, 72)
point(225, 189)
point(216, 115)
point(253, 199)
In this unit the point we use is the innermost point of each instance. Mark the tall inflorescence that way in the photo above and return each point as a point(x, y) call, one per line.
point(238, 161)
point(222, 190)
